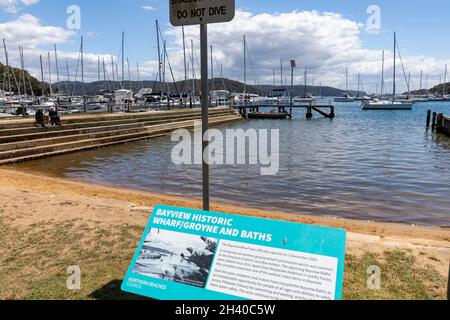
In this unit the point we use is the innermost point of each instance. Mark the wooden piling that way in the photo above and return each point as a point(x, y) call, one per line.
point(309, 114)
point(332, 114)
point(433, 123)
point(428, 118)
point(439, 120)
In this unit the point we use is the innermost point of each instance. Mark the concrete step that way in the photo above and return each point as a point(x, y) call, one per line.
point(31, 128)
point(63, 148)
point(87, 140)
point(11, 123)
point(91, 135)
point(99, 128)
point(63, 139)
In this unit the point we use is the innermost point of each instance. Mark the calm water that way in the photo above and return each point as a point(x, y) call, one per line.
point(371, 165)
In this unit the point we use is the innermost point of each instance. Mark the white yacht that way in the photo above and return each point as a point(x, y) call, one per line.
point(377, 104)
point(123, 95)
point(345, 98)
point(144, 93)
point(389, 104)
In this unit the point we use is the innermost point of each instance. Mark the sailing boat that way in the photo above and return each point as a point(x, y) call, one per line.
point(389, 104)
point(345, 96)
point(308, 97)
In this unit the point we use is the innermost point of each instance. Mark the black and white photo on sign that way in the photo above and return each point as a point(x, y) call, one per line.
point(178, 257)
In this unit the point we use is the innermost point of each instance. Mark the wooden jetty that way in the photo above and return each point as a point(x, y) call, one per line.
point(252, 110)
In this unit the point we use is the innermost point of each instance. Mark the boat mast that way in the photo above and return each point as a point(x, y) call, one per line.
point(359, 83)
point(281, 66)
point(245, 65)
point(42, 77)
point(123, 59)
point(68, 77)
point(164, 66)
point(395, 55)
point(21, 72)
point(193, 70)
point(139, 76)
point(104, 73)
point(116, 66)
point(26, 75)
point(113, 74)
point(346, 80)
point(212, 70)
point(274, 77)
point(306, 82)
point(82, 65)
point(382, 75)
point(185, 61)
point(409, 83)
point(22, 64)
point(421, 82)
point(445, 80)
point(129, 74)
point(57, 69)
point(8, 70)
point(50, 75)
point(159, 56)
point(98, 68)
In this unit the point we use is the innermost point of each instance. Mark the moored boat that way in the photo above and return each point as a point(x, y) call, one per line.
point(387, 105)
point(377, 104)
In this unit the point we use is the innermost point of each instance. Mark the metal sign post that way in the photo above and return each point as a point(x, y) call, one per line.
point(202, 13)
point(205, 110)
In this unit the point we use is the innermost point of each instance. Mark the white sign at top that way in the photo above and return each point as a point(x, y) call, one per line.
point(192, 12)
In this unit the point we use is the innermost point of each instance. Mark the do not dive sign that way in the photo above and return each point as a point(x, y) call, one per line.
point(192, 12)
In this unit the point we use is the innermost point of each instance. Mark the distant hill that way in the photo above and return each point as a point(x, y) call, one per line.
point(93, 88)
point(439, 89)
point(17, 81)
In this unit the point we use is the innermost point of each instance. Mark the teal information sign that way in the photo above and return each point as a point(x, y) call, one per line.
point(187, 254)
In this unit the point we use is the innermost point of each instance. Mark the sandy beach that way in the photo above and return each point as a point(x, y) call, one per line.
point(31, 203)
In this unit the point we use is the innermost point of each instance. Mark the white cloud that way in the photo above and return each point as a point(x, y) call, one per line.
point(148, 8)
point(325, 43)
point(12, 6)
point(28, 31)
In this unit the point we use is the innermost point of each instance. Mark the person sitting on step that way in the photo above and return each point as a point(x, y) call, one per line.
point(54, 117)
point(40, 118)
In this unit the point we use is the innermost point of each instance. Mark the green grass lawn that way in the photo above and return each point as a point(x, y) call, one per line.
point(34, 262)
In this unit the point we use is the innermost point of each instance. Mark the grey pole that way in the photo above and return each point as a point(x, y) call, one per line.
point(448, 285)
point(205, 106)
point(292, 84)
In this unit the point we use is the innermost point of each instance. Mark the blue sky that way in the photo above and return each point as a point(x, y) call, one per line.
point(421, 26)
